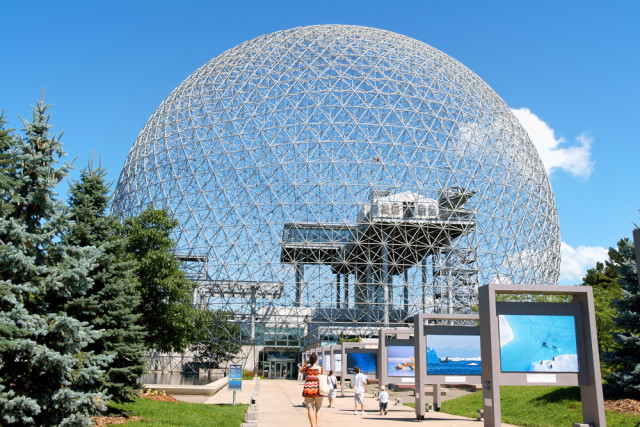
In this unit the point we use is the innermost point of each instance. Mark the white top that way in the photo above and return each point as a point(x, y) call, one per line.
point(358, 383)
point(332, 380)
point(384, 397)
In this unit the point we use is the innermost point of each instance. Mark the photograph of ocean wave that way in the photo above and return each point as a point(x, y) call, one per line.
point(400, 361)
point(367, 362)
point(538, 343)
point(453, 355)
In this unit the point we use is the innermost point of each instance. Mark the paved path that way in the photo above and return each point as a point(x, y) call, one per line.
point(279, 405)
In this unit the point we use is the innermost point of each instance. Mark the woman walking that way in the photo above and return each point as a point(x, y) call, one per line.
point(333, 384)
point(311, 391)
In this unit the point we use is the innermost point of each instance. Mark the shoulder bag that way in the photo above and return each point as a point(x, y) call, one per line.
point(323, 384)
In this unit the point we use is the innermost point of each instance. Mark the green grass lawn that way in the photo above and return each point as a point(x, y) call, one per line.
point(535, 407)
point(181, 414)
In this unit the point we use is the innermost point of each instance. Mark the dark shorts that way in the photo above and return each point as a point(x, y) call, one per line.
point(383, 406)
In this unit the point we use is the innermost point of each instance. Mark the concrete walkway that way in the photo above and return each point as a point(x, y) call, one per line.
point(279, 405)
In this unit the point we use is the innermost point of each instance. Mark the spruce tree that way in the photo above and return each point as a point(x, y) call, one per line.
point(625, 358)
point(47, 377)
point(167, 312)
point(112, 303)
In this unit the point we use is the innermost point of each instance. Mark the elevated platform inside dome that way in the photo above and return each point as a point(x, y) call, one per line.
point(313, 243)
point(347, 248)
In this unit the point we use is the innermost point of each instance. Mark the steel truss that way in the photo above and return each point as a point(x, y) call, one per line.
point(363, 148)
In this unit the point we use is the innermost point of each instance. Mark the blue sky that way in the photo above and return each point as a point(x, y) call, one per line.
point(568, 69)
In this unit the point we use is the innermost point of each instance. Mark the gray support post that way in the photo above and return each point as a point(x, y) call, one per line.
point(437, 397)
point(385, 283)
point(449, 294)
point(343, 370)
point(489, 346)
point(299, 283)
point(359, 275)
point(405, 293)
point(591, 393)
point(382, 357)
point(338, 277)
point(346, 290)
point(253, 318)
point(424, 284)
point(420, 351)
point(368, 285)
point(360, 297)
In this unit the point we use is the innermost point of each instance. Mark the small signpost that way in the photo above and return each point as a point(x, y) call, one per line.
point(235, 379)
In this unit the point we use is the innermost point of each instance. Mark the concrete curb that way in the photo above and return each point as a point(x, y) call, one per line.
point(208, 389)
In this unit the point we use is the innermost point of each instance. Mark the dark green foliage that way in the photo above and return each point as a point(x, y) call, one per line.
point(604, 280)
point(112, 303)
point(624, 359)
point(47, 376)
point(167, 313)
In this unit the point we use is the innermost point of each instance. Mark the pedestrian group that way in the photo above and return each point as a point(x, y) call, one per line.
point(318, 384)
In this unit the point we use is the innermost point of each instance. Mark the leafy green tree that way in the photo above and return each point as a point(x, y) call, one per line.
point(604, 280)
point(112, 303)
point(47, 376)
point(166, 294)
point(625, 356)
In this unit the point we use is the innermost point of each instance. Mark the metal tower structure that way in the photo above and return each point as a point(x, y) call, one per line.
point(330, 180)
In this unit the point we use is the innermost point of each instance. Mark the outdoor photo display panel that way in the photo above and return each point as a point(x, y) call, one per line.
point(453, 355)
point(337, 363)
point(400, 361)
point(367, 362)
point(538, 343)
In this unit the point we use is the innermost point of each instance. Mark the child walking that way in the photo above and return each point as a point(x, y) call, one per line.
point(383, 398)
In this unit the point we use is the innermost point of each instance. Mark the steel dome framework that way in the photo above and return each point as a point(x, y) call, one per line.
point(338, 179)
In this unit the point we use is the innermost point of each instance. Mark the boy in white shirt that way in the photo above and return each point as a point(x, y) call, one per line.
point(383, 398)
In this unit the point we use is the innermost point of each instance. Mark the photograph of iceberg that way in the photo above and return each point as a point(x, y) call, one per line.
point(538, 343)
point(453, 355)
point(400, 361)
point(367, 362)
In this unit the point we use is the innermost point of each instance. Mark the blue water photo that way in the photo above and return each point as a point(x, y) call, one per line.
point(367, 362)
point(453, 355)
point(400, 361)
point(538, 343)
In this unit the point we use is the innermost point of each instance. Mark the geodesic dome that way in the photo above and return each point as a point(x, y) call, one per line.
point(343, 176)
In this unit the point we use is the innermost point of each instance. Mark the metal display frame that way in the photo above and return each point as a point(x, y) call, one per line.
point(403, 337)
point(420, 342)
point(588, 377)
point(335, 350)
point(346, 348)
point(331, 351)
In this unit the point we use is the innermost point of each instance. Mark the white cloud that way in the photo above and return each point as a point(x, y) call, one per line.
point(554, 152)
point(576, 261)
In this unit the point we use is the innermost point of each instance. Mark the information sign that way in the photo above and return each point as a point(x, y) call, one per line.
point(235, 377)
